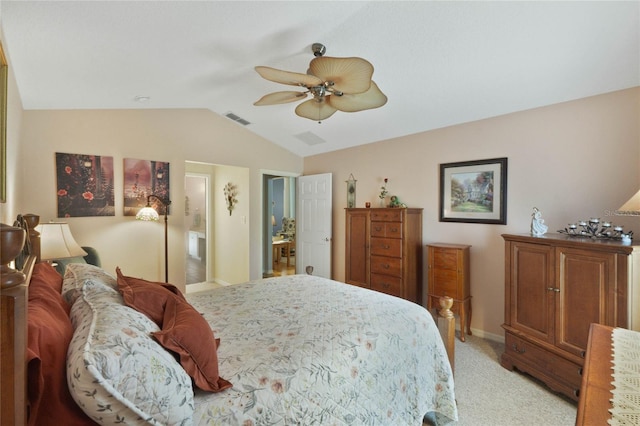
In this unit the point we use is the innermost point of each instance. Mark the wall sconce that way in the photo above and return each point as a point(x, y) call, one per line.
point(351, 192)
point(148, 213)
point(57, 242)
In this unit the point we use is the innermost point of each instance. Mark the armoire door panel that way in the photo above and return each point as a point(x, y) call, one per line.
point(533, 296)
point(585, 280)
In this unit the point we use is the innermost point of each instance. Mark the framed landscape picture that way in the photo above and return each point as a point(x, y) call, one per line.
point(474, 191)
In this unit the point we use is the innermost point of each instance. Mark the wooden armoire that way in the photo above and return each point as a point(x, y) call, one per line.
point(384, 250)
point(555, 287)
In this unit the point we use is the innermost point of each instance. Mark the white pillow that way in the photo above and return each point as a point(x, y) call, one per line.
point(117, 373)
point(75, 276)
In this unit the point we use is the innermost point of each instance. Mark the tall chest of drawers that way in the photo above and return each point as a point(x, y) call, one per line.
point(384, 250)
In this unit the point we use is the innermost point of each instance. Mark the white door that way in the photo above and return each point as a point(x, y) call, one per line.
point(313, 223)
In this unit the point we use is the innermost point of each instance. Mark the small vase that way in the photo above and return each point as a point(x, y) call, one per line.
point(382, 202)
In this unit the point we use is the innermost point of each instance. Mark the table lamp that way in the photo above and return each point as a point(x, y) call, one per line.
point(57, 242)
point(631, 207)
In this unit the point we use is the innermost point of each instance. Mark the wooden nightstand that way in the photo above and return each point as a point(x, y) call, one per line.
point(448, 275)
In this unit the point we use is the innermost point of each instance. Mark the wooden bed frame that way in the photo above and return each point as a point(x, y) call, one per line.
point(597, 378)
point(14, 285)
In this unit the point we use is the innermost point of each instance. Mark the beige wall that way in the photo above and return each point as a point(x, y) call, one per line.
point(163, 135)
point(573, 161)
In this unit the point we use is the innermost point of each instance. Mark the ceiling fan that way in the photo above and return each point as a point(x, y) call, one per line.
point(335, 84)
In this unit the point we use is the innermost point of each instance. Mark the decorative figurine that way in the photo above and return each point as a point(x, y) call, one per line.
point(538, 227)
point(395, 202)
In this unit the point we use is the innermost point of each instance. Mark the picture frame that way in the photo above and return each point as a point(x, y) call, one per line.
point(141, 179)
point(474, 191)
point(84, 185)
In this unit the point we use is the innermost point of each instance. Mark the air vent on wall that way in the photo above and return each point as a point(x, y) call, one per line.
point(237, 119)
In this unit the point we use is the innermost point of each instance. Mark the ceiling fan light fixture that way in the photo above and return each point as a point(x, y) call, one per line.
point(318, 49)
point(315, 109)
point(336, 84)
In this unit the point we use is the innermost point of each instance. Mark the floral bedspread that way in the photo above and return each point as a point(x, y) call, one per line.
point(304, 350)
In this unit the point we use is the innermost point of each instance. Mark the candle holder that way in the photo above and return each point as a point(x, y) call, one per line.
point(596, 229)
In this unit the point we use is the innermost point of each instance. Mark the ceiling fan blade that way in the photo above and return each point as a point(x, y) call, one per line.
point(288, 77)
point(349, 75)
point(280, 98)
point(372, 98)
point(314, 110)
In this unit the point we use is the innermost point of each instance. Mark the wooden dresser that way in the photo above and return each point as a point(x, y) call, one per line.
point(449, 275)
point(384, 250)
point(555, 287)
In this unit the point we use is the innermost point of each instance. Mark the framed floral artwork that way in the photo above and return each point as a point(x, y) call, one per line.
point(141, 179)
point(84, 185)
point(474, 191)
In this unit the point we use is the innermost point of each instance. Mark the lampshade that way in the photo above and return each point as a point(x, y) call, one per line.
point(148, 213)
point(57, 242)
point(631, 207)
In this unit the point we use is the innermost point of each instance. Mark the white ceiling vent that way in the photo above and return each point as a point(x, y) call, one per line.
point(237, 119)
point(310, 138)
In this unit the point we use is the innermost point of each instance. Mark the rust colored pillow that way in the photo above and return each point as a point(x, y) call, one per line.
point(49, 332)
point(147, 297)
point(45, 273)
point(186, 333)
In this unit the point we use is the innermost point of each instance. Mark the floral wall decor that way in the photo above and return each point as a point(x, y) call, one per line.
point(84, 185)
point(230, 193)
point(141, 179)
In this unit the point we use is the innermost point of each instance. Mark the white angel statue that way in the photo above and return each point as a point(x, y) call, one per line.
point(537, 223)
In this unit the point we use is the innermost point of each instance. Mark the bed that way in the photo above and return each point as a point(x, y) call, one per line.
point(279, 351)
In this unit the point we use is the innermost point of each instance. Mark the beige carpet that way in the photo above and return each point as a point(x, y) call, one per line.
point(489, 395)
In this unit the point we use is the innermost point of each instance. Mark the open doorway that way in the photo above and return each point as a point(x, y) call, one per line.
point(196, 223)
point(280, 225)
point(226, 239)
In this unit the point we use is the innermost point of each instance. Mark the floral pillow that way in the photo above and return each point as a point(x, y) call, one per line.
point(77, 274)
point(117, 373)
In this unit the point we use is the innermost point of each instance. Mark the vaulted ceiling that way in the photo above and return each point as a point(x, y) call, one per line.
point(439, 63)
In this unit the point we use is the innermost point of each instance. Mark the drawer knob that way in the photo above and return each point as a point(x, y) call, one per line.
point(386, 266)
point(557, 290)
